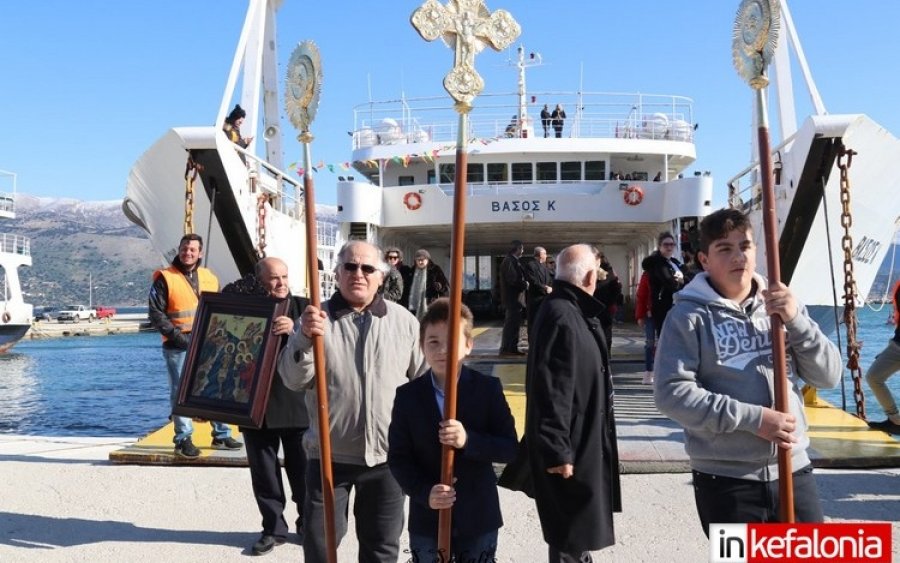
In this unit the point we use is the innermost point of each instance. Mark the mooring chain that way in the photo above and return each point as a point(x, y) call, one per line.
point(261, 225)
point(850, 290)
point(191, 170)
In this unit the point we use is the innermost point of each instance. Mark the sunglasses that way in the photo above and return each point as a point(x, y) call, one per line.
point(393, 257)
point(367, 269)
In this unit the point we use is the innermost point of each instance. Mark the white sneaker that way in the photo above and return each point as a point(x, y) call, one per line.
point(648, 378)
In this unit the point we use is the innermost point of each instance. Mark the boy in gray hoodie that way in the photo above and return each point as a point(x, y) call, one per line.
point(714, 376)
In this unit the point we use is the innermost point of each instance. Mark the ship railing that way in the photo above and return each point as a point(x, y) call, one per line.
point(590, 115)
point(7, 205)
point(744, 188)
point(285, 192)
point(15, 244)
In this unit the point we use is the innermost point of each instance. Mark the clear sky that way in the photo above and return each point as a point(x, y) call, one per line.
point(88, 85)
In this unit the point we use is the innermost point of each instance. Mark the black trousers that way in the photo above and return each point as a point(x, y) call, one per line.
point(377, 507)
point(725, 500)
point(509, 338)
point(265, 474)
point(556, 556)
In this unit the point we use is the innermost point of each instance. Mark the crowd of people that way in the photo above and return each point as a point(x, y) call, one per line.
point(385, 334)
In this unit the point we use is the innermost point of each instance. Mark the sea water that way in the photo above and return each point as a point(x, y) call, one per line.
point(84, 386)
point(117, 385)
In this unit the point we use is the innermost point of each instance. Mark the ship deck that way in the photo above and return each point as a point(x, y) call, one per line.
point(648, 441)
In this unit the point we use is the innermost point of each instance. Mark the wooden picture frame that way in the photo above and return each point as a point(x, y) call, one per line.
point(230, 363)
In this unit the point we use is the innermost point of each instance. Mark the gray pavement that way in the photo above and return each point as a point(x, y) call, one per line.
point(62, 500)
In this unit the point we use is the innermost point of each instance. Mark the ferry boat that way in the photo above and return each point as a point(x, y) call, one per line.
point(619, 175)
point(808, 190)
point(241, 200)
point(616, 177)
point(15, 252)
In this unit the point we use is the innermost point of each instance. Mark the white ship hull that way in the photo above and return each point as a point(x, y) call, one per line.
point(15, 253)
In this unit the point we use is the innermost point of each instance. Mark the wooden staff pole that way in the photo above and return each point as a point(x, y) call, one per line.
point(773, 266)
point(457, 249)
point(318, 342)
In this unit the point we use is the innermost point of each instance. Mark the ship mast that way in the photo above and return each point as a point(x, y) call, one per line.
point(533, 60)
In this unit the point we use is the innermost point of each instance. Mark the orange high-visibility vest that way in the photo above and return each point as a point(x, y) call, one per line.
point(182, 301)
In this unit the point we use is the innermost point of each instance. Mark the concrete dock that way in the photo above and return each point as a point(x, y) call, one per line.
point(109, 499)
point(119, 324)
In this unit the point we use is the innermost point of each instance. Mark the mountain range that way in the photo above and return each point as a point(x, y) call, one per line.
point(76, 244)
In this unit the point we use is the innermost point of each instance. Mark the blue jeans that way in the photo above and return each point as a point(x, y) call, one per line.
point(886, 364)
point(183, 425)
point(478, 549)
point(649, 342)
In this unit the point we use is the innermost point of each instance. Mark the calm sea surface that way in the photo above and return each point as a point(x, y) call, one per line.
point(116, 385)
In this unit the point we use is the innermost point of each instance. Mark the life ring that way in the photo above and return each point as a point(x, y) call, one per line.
point(412, 201)
point(634, 195)
point(6, 317)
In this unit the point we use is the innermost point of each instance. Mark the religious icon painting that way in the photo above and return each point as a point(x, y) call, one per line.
point(231, 360)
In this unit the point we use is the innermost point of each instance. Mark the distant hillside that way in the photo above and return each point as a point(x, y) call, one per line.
point(72, 240)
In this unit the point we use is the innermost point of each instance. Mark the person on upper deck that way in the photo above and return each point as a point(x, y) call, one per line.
point(558, 118)
point(232, 129)
point(545, 120)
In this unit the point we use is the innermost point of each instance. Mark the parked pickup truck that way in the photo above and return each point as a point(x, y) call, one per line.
point(76, 313)
point(106, 312)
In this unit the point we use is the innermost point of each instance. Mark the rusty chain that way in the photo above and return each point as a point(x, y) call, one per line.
point(191, 170)
point(850, 290)
point(261, 225)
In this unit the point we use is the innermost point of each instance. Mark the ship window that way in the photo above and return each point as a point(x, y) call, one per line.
point(448, 173)
point(498, 172)
point(595, 170)
point(570, 171)
point(477, 275)
point(430, 177)
point(522, 173)
point(546, 172)
point(406, 180)
point(475, 173)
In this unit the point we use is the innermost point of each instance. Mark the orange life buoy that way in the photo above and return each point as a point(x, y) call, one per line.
point(6, 316)
point(412, 201)
point(634, 195)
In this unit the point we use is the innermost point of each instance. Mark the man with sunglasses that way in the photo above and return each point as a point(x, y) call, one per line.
point(371, 348)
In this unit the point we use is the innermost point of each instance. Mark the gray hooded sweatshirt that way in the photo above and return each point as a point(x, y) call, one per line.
point(714, 374)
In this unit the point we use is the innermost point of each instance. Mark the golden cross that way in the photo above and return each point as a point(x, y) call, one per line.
point(467, 26)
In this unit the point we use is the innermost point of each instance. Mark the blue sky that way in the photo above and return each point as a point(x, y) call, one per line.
point(87, 86)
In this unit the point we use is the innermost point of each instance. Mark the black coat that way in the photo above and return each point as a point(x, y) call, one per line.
point(414, 453)
point(569, 419)
point(663, 285)
point(538, 277)
point(284, 408)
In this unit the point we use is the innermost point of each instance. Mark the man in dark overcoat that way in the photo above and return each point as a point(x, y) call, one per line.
point(569, 423)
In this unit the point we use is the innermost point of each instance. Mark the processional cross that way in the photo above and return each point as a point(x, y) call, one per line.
point(466, 26)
